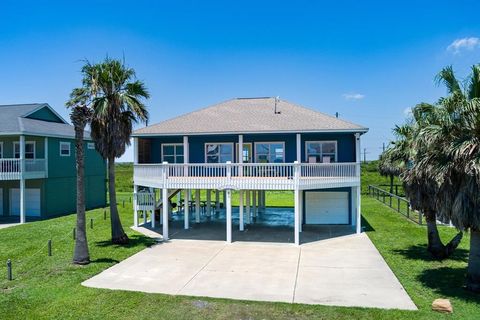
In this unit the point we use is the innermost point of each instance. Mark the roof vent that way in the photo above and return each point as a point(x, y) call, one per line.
point(276, 100)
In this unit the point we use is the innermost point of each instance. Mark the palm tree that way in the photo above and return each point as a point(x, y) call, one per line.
point(420, 188)
point(117, 104)
point(80, 115)
point(389, 167)
point(457, 168)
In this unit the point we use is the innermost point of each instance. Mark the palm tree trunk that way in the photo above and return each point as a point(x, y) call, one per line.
point(473, 270)
point(80, 253)
point(118, 234)
point(435, 245)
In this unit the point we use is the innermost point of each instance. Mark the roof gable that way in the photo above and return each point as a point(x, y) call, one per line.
point(45, 113)
point(251, 115)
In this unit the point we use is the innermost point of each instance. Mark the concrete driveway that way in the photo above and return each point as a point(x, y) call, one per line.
point(345, 271)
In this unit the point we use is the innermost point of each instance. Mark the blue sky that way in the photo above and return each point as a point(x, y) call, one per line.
point(368, 60)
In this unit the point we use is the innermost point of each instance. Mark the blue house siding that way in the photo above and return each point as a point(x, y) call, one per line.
point(345, 144)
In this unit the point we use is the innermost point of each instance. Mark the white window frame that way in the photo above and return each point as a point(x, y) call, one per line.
point(322, 141)
point(174, 150)
point(1, 150)
point(224, 143)
point(237, 158)
point(91, 145)
point(15, 143)
point(269, 142)
point(69, 144)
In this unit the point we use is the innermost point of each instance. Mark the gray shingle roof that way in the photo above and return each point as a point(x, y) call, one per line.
point(251, 115)
point(13, 121)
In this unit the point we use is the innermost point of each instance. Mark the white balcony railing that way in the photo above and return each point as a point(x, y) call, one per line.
point(248, 175)
point(11, 169)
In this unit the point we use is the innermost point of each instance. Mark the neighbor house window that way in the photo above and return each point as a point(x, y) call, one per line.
point(65, 149)
point(321, 151)
point(29, 150)
point(91, 146)
point(172, 153)
point(269, 152)
point(218, 152)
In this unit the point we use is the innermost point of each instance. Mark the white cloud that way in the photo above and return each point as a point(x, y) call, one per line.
point(353, 96)
point(407, 112)
point(464, 43)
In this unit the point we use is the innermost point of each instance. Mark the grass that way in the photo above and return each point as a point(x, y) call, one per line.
point(50, 287)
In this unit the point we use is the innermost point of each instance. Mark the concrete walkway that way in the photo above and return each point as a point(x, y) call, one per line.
point(345, 271)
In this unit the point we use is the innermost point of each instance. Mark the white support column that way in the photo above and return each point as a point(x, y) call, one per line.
point(152, 212)
point(248, 214)
point(358, 195)
point(297, 216)
point(224, 198)
point(228, 201)
point(299, 147)
point(135, 150)
point(186, 155)
point(165, 205)
point(254, 202)
point(135, 211)
point(22, 179)
point(296, 196)
point(209, 205)
point(240, 153)
point(186, 210)
point(240, 210)
point(45, 148)
point(197, 205)
point(301, 210)
point(217, 201)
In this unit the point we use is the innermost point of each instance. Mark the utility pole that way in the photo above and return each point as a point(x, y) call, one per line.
point(365, 155)
point(383, 147)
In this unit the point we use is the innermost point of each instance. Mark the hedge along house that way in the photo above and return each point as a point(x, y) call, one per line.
point(37, 164)
point(252, 145)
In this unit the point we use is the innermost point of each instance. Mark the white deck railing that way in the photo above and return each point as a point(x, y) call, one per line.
point(11, 169)
point(247, 175)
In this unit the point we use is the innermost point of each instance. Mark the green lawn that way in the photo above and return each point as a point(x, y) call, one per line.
point(49, 287)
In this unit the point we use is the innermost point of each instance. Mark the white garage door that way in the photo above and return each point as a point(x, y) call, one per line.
point(1, 202)
point(326, 207)
point(32, 202)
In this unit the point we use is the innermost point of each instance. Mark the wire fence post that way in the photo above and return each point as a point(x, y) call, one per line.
point(74, 233)
point(91, 223)
point(9, 270)
point(50, 247)
point(419, 217)
point(104, 214)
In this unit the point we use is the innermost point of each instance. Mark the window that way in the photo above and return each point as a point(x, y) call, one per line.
point(29, 150)
point(218, 152)
point(247, 152)
point(172, 153)
point(269, 152)
point(64, 149)
point(1, 150)
point(321, 151)
point(144, 150)
point(91, 146)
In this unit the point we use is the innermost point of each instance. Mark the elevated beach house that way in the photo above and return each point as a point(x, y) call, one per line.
point(249, 146)
point(37, 164)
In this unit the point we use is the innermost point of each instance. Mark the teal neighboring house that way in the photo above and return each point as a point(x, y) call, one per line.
point(37, 164)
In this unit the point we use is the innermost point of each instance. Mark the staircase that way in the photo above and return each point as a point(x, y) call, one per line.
point(171, 194)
